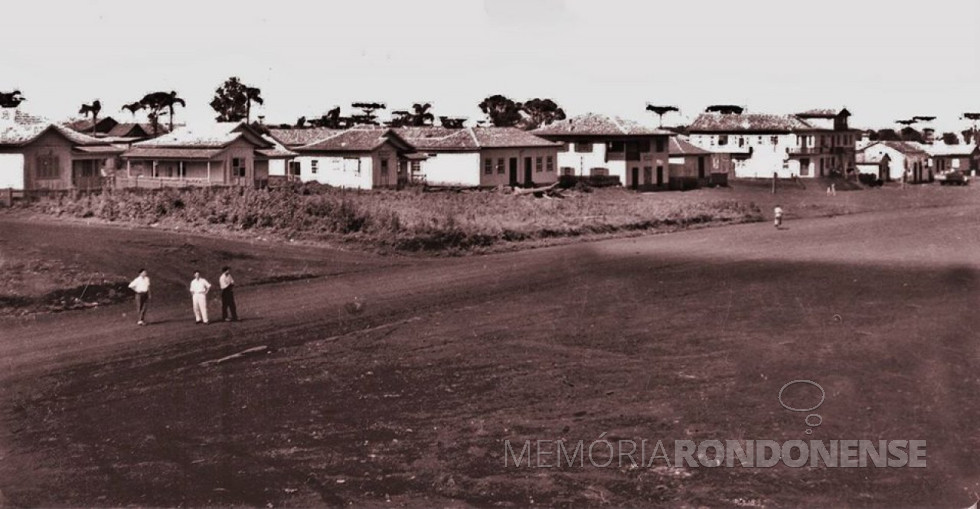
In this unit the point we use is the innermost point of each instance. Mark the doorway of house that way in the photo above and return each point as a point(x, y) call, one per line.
point(636, 178)
point(660, 175)
point(513, 171)
point(528, 182)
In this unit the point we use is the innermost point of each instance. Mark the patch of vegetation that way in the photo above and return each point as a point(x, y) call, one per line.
point(404, 220)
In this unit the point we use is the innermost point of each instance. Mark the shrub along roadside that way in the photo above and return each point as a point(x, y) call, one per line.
point(406, 220)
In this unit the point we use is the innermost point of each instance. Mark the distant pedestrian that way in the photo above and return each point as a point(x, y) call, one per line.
point(778, 215)
point(229, 312)
point(141, 285)
point(199, 298)
point(833, 189)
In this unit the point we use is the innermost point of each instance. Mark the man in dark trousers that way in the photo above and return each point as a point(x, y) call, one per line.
point(229, 312)
point(141, 285)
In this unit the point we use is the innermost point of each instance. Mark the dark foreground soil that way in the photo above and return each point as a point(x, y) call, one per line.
point(398, 384)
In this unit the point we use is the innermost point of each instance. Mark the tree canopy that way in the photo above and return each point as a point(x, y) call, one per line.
point(233, 100)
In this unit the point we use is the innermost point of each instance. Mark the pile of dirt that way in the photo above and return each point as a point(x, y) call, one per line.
point(81, 297)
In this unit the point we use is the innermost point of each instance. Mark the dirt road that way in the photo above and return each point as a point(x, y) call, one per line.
point(410, 395)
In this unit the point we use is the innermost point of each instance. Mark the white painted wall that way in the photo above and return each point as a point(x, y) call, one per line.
point(12, 171)
point(348, 172)
point(767, 157)
point(277, 167)
point(452, 169)
point(583, 162)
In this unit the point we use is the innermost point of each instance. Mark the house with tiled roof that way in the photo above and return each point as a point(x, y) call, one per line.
point(596, 144)
point(219, 154)
point(872, 164)
point(692, 166)
point(945, 158)
point(359, 158)
point(37, 155)
point(907, 161)
point(481, 156)
point(809, 144)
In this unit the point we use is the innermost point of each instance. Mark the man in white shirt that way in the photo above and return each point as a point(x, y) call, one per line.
point(141, 285)
point(199, 292)
point(229, 312)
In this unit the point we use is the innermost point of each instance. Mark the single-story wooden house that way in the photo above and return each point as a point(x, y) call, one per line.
point(690, 166)
point(291, 139)
point(38, 155)
point(360, 158)
point(905, 159)
point(224, 153)
point(946, 158)
point(480, 156)
point(594, 144)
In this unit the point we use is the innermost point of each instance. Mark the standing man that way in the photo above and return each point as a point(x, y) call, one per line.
point(777, 216)
point(199, 292)
point(141, 285)
point(227, 284)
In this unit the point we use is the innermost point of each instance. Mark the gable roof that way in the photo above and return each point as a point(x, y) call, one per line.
point(217, 135)
point(681, 147)
point(134, 130)
point(84, 125)
point(946, 150)
point(470, 138)
point(18, 128)
point(862, 157)
point(278, 150)
point(903, 147)
point(356, 140)
point(747, 122)
point(302, 136)
point(596, 124)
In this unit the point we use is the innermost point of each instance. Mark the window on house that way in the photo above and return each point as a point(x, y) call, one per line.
point(550, 165)
point(181, 169)
point(643, 145)
point(774, 140)
point(616, 146)
point(294, 167)
point(237, 167)
point(353, 165)
point(760, 140)
point(647, 175)
point(741, 141)
point(567, 170)
point(314, 166)
point(384, 167)
point(722, 140)
point(661, 144)
point(48, 167)
point(539, 165)
point(583, 147)
point(488, 166)
point(416, 166)
point(566, 147)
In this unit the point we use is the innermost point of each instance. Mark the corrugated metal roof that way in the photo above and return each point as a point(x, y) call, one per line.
point(171, 153)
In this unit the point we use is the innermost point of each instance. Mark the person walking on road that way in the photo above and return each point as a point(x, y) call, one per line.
point(229, 312)
point(141, 285)
point(778, 215)
point(199, 298)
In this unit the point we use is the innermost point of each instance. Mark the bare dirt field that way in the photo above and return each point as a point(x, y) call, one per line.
point(407, 397)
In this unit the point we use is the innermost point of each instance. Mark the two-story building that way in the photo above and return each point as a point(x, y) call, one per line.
point(595, 144)
point(810, 144)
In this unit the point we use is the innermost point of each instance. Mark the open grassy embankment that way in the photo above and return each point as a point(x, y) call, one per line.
point(404, 221)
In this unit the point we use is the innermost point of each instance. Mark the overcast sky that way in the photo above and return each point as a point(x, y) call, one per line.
point(883, 61)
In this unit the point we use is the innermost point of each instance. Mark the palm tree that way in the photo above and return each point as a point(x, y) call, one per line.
point(94, 110)
point(252, 94)
point(133, 107)
point(157, 101)
point(421, 116)
point(660, 110)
